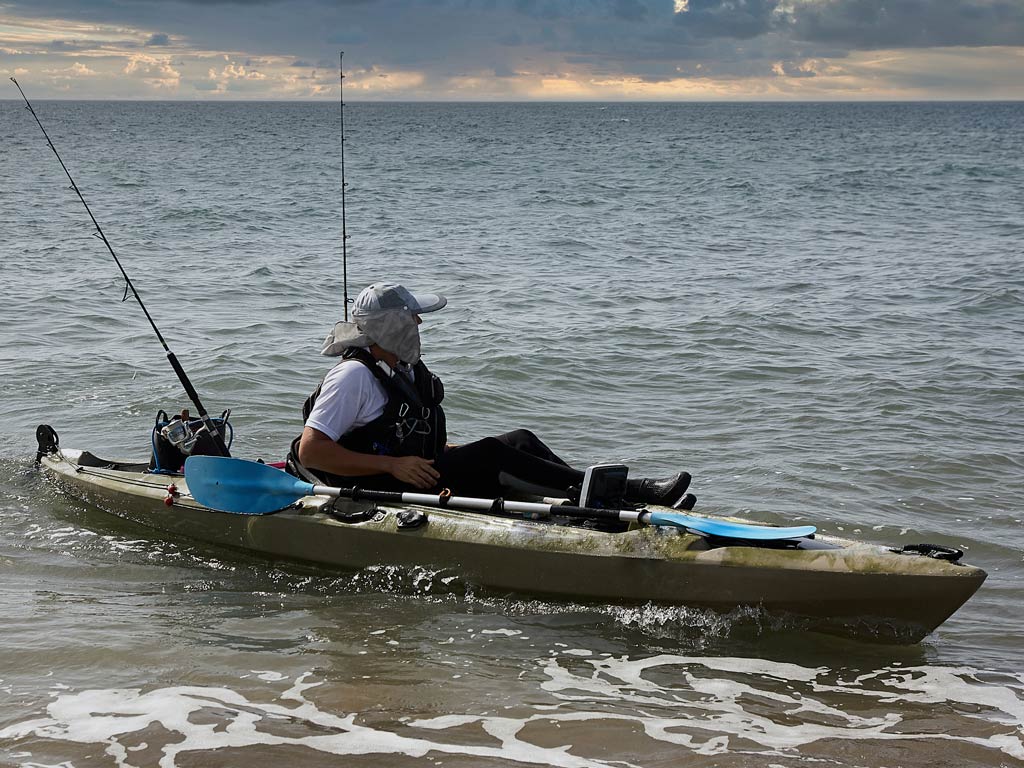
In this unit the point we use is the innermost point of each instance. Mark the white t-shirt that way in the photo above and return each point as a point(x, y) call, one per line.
point(350, 397)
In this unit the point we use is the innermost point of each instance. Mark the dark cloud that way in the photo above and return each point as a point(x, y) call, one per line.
point(500, 70)
point(349, 35)
point(543, 9)
point(867, 24)
point(511, 38)
point(642, 39)
point(741, 19)
point(629, 10)
point(442, 28)
point(860, 24)
point(70, 46)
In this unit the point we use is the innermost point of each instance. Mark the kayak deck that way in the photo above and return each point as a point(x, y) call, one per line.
point(851, 586)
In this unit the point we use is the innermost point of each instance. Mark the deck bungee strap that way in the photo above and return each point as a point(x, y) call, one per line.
point(936, 551)
point(251, 488)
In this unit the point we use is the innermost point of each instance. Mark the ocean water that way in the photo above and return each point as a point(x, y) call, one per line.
point(817, 310)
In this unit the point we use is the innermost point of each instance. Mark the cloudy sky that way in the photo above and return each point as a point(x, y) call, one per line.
point(515, 49)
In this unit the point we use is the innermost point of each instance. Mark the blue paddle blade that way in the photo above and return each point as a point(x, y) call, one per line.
point(729, 530)
point(242, 487)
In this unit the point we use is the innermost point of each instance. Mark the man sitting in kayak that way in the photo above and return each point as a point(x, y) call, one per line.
point(376, 419)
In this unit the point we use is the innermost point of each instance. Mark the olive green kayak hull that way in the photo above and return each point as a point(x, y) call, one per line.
point(848, 586)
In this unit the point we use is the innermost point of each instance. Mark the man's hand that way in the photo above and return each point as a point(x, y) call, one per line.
point(415, 471)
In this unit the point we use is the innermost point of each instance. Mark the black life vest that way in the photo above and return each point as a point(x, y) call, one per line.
point(413, 422)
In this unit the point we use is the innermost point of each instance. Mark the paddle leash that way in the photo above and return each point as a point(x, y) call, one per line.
point(130, 286)
point(250, 488)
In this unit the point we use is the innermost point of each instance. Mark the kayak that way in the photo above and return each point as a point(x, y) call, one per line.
point(661, 557)
point(893, 595)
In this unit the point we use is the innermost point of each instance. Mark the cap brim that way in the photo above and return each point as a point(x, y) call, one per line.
point(428, 302)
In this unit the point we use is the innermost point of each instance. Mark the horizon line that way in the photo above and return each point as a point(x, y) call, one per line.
point(951, 100)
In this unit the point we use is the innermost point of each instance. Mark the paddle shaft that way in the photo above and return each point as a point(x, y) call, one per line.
point(485, 505)
point(250, 488)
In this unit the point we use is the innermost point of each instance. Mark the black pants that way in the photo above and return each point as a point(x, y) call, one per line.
point(514, 461)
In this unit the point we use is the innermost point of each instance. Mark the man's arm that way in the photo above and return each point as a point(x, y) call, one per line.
point(318, 451)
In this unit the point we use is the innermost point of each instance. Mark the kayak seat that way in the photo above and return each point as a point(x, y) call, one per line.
point(342, 510)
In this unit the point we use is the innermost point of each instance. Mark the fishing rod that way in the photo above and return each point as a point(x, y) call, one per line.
point(344, 231)
point(218, 440)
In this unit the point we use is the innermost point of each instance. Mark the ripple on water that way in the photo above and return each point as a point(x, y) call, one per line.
point(814, 309)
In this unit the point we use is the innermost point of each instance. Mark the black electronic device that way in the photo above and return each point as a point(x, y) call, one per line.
point(604, 485)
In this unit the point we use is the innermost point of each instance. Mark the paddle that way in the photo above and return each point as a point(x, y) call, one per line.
point(250, 488)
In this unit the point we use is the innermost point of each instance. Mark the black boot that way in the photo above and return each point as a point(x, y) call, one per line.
point(688, 501)
point(664, 492)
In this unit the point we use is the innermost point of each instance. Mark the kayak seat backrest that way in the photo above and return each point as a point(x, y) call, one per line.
point(341, 509)
point(87, 459)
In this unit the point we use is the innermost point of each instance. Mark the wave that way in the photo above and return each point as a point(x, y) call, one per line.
point(587, 712)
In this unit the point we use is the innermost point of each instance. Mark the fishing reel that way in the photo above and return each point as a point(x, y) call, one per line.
point(179, 434)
